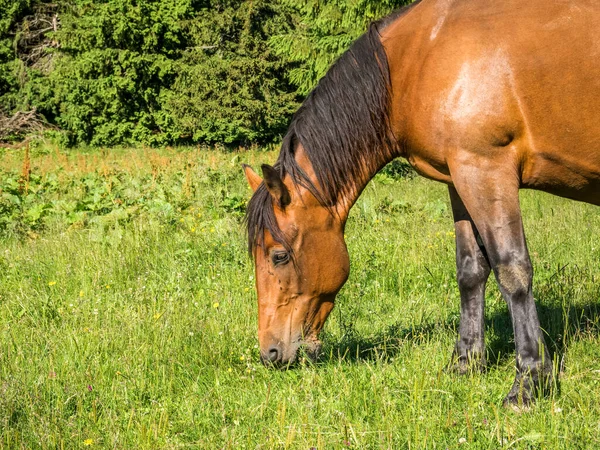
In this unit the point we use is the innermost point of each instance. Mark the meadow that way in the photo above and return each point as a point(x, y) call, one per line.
point(128, 315)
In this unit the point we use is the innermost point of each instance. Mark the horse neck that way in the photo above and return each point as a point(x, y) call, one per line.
point(376, 162)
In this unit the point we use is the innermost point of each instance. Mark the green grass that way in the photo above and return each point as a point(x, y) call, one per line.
point(137, 328)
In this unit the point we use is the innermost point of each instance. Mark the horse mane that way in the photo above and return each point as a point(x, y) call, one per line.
point(344, 128)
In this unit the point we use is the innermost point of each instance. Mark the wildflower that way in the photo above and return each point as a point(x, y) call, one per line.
point(107, 286)
point(192, 230)
point(246, 289)
point(157, 316)
point(462, 440)
point(182, 220)
point(88, 442)
point(558, 410)
point(90, 388)
point(242, 358)
point(215, 305)
point(230, 370)
point(81, 293)
point(51, 283)
point(191, 333)
point(212, 230)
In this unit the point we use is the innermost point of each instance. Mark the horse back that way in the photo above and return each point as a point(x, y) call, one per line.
point(500, 83)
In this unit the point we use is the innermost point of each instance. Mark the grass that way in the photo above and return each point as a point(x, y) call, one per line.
point(137, 328)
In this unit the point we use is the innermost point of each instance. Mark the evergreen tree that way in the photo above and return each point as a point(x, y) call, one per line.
point(111, 72)
point(324, 29)
point(11, 13)
point(230, 87)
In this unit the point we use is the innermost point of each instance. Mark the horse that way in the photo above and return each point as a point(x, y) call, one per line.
point(485, 97)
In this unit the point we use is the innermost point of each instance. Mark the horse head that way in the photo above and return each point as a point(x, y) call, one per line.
point(301, 263)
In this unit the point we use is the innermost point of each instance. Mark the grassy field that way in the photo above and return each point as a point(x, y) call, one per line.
point(128, 316)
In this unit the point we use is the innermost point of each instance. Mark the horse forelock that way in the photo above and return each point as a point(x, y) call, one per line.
point(344, 128)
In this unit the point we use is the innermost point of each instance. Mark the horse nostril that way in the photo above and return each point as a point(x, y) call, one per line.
point(273, 354)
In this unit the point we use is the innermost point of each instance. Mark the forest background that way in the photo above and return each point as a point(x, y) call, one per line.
point(168, 72)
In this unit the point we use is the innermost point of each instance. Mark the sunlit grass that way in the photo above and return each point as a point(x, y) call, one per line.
point(140, 332)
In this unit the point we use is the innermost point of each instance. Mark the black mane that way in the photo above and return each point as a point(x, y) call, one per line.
point(343, 126)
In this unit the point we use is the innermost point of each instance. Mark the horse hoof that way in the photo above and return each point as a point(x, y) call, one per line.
point(465, 367)
point(518, 403)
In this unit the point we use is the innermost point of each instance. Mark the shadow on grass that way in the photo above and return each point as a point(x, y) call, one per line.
point(562, 322)
point(382, 346)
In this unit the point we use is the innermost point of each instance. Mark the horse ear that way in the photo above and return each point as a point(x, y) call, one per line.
point(253, 179)
point(275, 186)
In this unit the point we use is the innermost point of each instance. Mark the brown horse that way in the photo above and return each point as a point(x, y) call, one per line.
point(486, 97)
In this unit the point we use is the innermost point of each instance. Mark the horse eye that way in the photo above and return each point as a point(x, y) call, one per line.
point(280, 258)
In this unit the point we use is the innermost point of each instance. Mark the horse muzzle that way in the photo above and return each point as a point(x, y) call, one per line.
point(281, 356)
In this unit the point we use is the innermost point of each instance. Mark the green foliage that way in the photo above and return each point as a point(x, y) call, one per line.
point(112, 191)
point(11, 12)
point(230, 87)
point(116, 62)
point(162, 71)
point(324, 30)
point(166, 72)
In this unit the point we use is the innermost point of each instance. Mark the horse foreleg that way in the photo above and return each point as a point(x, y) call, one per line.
point(472, 272)
point(491, 196)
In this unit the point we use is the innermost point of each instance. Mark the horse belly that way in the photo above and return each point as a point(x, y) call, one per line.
point(561, 174)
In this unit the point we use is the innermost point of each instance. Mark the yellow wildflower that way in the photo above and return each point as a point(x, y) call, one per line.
point(88, 442)
point(81, 293)
point(215, 304)
point(51, 283)
point(157, 316)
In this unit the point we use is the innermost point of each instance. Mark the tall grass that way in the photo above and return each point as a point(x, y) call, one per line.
point(138, 330)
